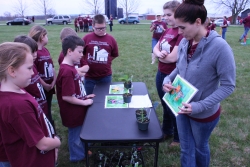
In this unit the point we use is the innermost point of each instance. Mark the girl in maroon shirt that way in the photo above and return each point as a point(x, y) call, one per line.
point(44, 64)
point(26, 136)
point(166, 51)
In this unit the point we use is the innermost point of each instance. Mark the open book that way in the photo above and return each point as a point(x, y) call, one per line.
point(183, 93)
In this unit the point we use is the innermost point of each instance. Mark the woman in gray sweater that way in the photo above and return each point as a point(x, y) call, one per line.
point(207, 62)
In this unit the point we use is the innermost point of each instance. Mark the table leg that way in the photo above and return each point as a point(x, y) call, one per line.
point(156, 154)
point(86, 154)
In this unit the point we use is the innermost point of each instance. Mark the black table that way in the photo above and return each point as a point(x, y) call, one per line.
point(118, 124)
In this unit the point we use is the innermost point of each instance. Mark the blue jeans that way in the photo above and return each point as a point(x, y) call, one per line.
point(194, 141)
point(224, 30)
point(154, 42)
point(246, 29)
point(5, 164)
point(89, 84)
point(169, 126)
point(76, 146)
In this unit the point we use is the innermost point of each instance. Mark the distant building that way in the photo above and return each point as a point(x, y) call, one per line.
point(120, 13)
point(111, 8)
point(244, 13)
point(150, 17)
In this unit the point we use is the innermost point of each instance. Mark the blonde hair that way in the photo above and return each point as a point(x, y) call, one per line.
point(66, 31)
point(12, 54)
point(37, 32)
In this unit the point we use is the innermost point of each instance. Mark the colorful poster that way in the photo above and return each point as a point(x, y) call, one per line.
point(182, 93)
point(117, 89)
point(115, 102)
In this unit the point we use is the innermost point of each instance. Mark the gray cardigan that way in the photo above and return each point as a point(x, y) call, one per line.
point(211, 70)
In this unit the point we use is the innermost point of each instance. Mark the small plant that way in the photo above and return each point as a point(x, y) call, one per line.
point(127, 81)
point(127, 96)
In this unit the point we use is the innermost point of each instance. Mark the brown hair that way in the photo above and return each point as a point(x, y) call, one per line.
point(172, 5)
point(37, 32)
point(66, 31)
point(28, 41)
point(98, 19)
point(190, 10)
point(12, 54)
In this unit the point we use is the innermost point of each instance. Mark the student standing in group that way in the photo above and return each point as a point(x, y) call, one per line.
point(157, 27)
point(166, 52)
point(76, 23)
point(35, 88)
point(85, 24)
point(212, 25)
point(81, 69)
point(25, 134)
point(224, 27)
point(246, 22)
point(71, 96)
point(110, 22)
point(99, 52)
point(44, 64)
point(206, 61)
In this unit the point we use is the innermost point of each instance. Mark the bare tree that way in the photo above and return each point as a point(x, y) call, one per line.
point(149, 11)
point(130, 6)
point(235, 6)
point(93, 6)
point(7, 15)
point(44, 7)
point(20, 6)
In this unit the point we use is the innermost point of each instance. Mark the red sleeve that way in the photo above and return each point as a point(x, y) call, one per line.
point(66, 81)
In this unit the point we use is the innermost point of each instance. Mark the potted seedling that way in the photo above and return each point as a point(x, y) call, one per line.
point(139, 112)
point(143, 121)
point(127, 81)
point(127, 96)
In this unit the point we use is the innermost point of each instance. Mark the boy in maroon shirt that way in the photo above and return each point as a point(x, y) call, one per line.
point(72, 99)
point(80, 67)
point(99, 52)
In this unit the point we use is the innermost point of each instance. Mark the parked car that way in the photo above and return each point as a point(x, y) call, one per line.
point(131, 19)
point(59, 19)
point(219, 22)
point(18, 21)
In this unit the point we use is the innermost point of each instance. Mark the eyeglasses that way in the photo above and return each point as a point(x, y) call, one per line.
point(100, 28)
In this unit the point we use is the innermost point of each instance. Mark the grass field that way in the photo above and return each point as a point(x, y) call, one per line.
point(229, 142)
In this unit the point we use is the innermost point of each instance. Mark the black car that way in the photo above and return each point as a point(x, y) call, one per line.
point(18, 21)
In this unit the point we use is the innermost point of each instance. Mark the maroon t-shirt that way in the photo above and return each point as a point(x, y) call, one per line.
point(158, 31)
point(45, 66)
point(85, 21)
point(99, 51)
point(80, 22)
point(246, 22)
point(69, 83)
point(36, 90)
point(22, 125)
point(90, 22)
point(171, 35)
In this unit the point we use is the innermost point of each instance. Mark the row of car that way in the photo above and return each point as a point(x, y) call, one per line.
point(65, 19)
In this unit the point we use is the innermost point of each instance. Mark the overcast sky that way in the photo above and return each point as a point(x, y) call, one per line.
point(76, 6)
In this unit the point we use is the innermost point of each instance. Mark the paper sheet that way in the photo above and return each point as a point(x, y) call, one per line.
point(140, 101)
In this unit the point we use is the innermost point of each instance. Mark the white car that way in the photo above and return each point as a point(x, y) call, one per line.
point(219, 22)
point(59, 19)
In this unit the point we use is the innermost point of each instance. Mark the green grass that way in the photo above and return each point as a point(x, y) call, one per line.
point(229, 141)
